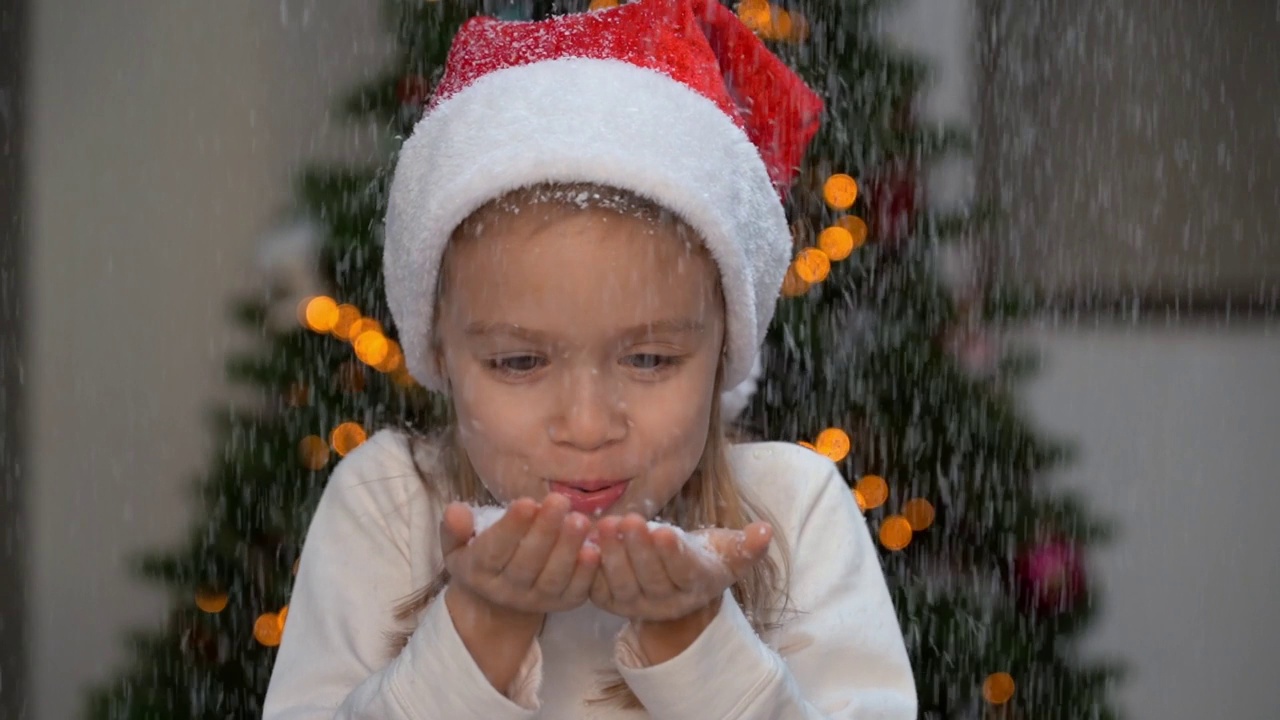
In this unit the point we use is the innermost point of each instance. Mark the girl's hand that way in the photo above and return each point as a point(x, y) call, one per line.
point(654, 575)
point(530, 562)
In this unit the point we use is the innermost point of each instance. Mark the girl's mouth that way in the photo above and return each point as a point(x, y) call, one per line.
point(591, 498)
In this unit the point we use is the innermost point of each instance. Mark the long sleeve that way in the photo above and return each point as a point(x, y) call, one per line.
point(841, 657)
point(335, 661)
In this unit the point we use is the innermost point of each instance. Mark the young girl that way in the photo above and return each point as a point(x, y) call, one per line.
point(584, 245)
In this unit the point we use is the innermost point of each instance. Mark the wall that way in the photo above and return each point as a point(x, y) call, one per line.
point(1176, 426)
point(162, 139)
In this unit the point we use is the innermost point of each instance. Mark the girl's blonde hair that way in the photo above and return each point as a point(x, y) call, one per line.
point(710, 498)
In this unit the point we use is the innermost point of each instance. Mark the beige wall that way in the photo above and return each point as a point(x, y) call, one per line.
point(1177, 432)
point(162, 138)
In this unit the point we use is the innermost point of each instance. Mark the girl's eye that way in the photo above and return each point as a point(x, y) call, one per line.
point(516, 365)
point(651, 362)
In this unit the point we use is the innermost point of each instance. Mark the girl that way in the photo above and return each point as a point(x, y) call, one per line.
point(584, 243)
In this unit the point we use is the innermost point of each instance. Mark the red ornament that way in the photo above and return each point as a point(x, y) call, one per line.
point(1050, 577)
point(894, 197)
point(896, 190)
point(413, 90)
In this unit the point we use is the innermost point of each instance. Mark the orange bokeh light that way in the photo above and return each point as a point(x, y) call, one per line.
point(834, 443)
point(267, 629)
point(792, 285)
point(840, 191)
point(857, 228)
point(755, 14)
point(874, 490)
point(371, 347)
point(394, 359)
point(347, 316)
point(210, 600)
point(895, 532)
point(919, 512)
point(347, 437)
point(321, 314)
point(836, 242)
point(812, 265)
point(313, 452)
point(998, 688)
point(362, 325)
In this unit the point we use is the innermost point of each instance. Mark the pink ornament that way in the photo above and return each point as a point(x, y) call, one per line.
point(977, 353)
point(1050, 577)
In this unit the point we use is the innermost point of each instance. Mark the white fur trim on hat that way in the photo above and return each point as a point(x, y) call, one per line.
point(585, 120)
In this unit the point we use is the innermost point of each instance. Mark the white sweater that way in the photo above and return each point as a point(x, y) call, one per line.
point(374, 541)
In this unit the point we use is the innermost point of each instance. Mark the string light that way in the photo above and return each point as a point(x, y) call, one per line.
point(313, 452)
point(267, 629)
point(281, 617)
point(998, 688)
point(836, 242)
point(834, 443)
point(602, 4)
point(371, 347)
point(792, 284)
point(347, 437)
point(210, 600)
point(394, 359)
point(321, 314)
point(857, 228)
point(875, 491)
point(858, 498)
point(812, 265)
point(301, 310)
point(347, 316)
point(918, 512)
point(361, 326)
point(840, 191)
point(807, 444)
point(755, 14)
point(895, 532)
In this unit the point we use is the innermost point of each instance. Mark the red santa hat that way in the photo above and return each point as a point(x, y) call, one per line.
point(674, 100)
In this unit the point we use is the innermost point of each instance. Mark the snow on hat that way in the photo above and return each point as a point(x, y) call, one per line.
point(676, 101)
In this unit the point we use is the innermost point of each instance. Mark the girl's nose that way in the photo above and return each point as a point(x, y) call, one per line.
point(590, 413)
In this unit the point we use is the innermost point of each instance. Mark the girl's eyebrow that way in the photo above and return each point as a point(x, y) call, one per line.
point(682, 326)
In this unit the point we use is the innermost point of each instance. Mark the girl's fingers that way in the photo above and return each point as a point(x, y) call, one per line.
point(456, 527)
point(584, 573)
point(746, 547)
point(534, 548)
point(562, 558)
point(684, 571)
point(495, 547)
point(650, 573)
point(614, 564)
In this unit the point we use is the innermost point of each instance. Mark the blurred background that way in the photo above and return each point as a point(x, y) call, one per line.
point(147, 150)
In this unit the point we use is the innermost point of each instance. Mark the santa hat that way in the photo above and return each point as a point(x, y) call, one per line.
point(674, 100)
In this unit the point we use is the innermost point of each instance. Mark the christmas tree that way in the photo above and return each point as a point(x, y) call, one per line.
point(875, 359)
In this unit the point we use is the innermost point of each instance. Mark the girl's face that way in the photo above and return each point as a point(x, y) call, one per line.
point(581, 348)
